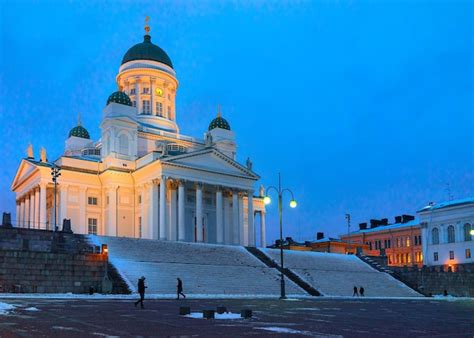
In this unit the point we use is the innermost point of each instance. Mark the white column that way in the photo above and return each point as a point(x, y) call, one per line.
point(143, 213)
point(199, 237)
point(17, 216)
point(112, 212)
point(242, 230)
point(62, 205)
point(235, 218)
point(37, 209)
point(250, 220)
point(172, 224)
point(263, 241)
point(32, 209)
point(219, 219)
point(163, 208)
point(152, 96)
point(227, 220)
point(152, 211)
point(22, 212)
point(82, 227)
point(27, 211)
point(138, 87)
point(181, 224)
point(42, 206)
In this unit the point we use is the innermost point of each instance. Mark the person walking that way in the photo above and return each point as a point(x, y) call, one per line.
point(141, 291)
point(180, 289)
point(361, 291)
point(356, 293)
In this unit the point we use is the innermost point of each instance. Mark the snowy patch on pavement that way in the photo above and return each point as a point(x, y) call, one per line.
point(32, 308)
point(227, 315)
point(292, 331)
point(5, 308)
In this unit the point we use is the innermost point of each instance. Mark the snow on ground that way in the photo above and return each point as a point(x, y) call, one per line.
point(5, 308)
point(32, 308)
point(227, 315)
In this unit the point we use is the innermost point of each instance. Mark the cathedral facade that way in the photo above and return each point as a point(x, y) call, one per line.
point(143, 178)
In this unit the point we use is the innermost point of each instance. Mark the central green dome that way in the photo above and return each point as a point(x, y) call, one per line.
point(119, 97)
point(79, 131)
point(219, 122)
point(147, 51)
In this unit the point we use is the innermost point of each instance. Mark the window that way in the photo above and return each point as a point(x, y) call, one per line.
point(451, 234)
point(92, 200)
point(132, 91)
point(134, 103)
point(159, 109)
point(416, 240)
point(92, 226)
point(169, 112)
point(408, 242)
point(408, 258)
point(376, 245)
point(419, 240)
point(140, 227)
point(146, 90)
point(370, 245)
point(146, 107)
point(435, 236)
point(107, 199)
point(123, 144)
point(467, 232)
point(389, 244)
point(451, 255)
point(435, 256)
point(139, 199)
point(468, 253)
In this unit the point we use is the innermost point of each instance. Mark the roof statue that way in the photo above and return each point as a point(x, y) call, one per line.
point(249, 163)
point(261, 191)
point(208, 140)
point(29, 151)
point(43, 155)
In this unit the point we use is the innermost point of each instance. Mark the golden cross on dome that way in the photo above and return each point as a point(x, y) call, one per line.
point(147, 28)
point(218, 110)
point(78, 119)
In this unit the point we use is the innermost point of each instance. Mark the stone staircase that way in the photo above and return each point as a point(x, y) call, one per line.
point(287, 272)
point(205, 269)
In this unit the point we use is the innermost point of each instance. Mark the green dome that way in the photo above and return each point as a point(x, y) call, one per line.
point(79, 131)
point(219, 122)
point(147, 51)
point(120, 98)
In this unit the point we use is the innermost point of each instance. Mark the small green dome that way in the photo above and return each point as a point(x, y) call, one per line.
point(120, 98)
point(79, 131)
point(147, 51)
point(219, 122)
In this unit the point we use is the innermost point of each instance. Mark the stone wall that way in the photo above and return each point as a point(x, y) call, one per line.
point(435, 280)
point(49, 262)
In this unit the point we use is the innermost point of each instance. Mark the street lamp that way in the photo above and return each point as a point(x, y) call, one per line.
point(293, 204)
point(55, 173)
point(472, 232)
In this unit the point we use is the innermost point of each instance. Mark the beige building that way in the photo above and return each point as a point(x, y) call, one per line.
point(143, 178)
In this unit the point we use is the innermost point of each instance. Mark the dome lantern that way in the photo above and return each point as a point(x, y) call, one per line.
point(219, 121)
point(79, 131)
point(120, 98)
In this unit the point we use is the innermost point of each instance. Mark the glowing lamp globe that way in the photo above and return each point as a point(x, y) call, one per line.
point(267, 200)
point(293, 204)
point(472, 232)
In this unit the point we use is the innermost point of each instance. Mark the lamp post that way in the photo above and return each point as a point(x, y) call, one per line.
point(55, 173)
point(267, 200)
point(348, 218)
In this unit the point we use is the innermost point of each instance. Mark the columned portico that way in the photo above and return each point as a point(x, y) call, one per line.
point(173, 214)
point(152, 211)
point(250, 219)
point(235, 218)
point(18, 208)
point(27, 211)
point(37, 208)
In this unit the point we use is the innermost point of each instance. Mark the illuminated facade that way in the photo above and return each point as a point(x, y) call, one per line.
point(401, 242)
point(446, 228)
point(143, 178)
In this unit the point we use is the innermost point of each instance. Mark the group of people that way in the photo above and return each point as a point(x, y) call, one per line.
point(358, 292)
point(141, 290)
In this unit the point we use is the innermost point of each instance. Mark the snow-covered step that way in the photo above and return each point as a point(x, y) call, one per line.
point(336, 274)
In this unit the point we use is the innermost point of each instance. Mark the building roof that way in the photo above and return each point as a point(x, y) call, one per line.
point(146, 50)
point(219, 122)
point(448, 204)
point(394, 226)
point(120, 98)
point(325, 239)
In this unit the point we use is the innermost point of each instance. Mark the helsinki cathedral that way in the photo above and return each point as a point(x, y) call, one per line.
point(143, 178)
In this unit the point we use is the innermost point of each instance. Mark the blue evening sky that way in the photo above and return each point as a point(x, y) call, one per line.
point(364, 107)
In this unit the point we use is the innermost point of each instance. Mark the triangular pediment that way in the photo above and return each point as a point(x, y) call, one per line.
point(24, 171)
point(210, 160)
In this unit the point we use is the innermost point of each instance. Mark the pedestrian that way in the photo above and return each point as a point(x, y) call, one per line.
point(356, 293)
point(141, 291)
point(361, 291)
point(180, 288)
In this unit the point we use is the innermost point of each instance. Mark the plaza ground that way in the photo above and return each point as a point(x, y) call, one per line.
point(302, 317)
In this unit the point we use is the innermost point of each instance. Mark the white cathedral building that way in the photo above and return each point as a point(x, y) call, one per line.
point(143, 178)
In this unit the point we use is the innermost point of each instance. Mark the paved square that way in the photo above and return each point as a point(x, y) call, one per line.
point(317, 318)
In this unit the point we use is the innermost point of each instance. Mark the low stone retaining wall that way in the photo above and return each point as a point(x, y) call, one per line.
point(44, 261)
point(436, 280)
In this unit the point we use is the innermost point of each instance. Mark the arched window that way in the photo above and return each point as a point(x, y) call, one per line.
point(435, 236)
point(451, 233)
point(467, 232)
point(123, 144)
